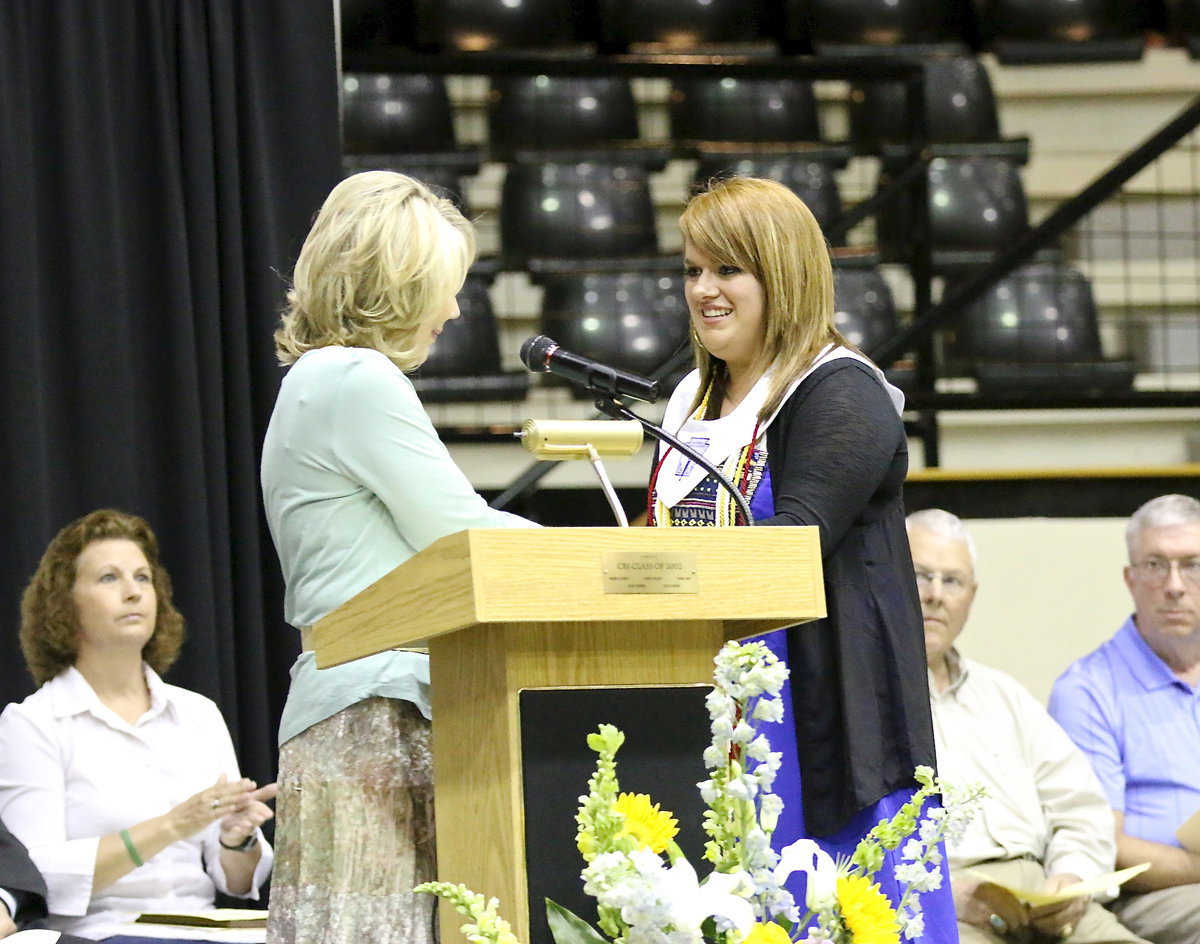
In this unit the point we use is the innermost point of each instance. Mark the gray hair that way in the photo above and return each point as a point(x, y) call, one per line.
point(1161, 512)
point(947, 525)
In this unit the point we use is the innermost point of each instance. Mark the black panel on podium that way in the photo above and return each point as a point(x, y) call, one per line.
point(666, 731)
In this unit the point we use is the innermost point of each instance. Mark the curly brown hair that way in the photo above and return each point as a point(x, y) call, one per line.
point(49, 618)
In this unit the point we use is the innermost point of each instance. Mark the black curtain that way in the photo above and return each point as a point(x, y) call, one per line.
point(160, 162)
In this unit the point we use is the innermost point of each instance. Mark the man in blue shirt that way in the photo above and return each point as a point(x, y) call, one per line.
point(1133, 706)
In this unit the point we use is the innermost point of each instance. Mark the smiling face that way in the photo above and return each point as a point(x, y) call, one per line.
point(946, 582)
point(114, 596)
point(728, 309)
point(1167, 606)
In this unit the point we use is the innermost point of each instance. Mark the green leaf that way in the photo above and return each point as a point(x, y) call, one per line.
point(568, 928)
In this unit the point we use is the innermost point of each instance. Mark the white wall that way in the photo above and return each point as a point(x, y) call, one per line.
point(1050, 590)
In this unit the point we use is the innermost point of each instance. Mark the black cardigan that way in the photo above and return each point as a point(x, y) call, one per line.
point(838, 456)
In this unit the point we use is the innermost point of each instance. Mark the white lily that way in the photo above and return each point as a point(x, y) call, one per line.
point(806, 856)
point(691, 901)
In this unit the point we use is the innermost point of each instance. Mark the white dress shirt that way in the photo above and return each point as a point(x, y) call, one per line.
point(1043, 799)
point(71, 771)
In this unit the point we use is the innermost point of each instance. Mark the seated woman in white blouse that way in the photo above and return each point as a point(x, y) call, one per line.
point(125, 790)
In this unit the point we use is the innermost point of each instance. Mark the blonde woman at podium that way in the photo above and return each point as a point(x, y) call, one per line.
point(355, 482)
point(810, 431)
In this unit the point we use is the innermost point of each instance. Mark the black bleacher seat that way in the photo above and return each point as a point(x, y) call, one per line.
point(633, 321)
point(368, 23)
point(1037, 331)
point(959, 105)
point(864, 310)
point(810, 175)
point(861, 27)
point(585, 210)
point(464, 362)
point(683, 24)
point(976, 206)
point(494, 25)
point(759, 128)
point(1045, 31)
point(747, 110)
point(559, 112)
point(395, 112)
point(1184, 21)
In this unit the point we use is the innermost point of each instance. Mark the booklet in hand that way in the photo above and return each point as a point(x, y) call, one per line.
point(212, 918)
point(1035, 896)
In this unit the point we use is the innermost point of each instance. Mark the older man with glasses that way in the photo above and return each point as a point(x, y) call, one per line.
point(1133, 706)
point(1045, 823)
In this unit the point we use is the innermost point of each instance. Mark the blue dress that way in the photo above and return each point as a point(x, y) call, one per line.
point(940, 922)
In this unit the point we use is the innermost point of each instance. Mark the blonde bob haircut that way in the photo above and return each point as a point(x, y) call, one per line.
point(763, 228)
point(383, 255)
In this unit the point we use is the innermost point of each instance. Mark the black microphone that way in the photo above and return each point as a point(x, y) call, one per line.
point(541, 354)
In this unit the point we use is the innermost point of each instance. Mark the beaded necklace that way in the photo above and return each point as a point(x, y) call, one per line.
point(709, 503)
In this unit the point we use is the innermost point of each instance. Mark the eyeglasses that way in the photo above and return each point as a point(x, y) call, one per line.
point(952, 584)
point(1158, 569)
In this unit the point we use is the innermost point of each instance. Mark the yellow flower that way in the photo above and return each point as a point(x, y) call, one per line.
point(868, 914)
point(645, 823)
point(770, 933)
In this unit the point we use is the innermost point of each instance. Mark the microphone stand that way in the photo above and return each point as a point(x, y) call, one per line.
point(618, 411)
point(538, 469)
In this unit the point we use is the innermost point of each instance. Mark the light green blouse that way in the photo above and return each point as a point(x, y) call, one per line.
point(355, 482)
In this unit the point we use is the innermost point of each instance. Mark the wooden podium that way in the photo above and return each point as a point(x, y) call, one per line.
point(504, 610)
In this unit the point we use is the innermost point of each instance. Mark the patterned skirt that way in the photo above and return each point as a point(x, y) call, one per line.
point(355, 830)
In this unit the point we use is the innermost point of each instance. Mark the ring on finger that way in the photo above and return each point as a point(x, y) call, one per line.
point(999, 925)
point(1066, 931)
point(215, 804)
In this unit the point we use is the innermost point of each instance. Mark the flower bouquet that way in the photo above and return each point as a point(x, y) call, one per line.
point(646, 890)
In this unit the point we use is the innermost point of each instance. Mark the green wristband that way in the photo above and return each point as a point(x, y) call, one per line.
point(131, 848)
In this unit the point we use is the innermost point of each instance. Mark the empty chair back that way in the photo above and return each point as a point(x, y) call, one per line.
point(577, 211)
point(481, 25)
point(366, 23)
point(864, 310)
point(829, 24)
point(1042, 313)
point(750, 110)
point(468, 345)
point(631, 321)
point(1184, 20)
point(539, 111)
point(1033, 31)
point(975, 203)
point(387, 113)
point(681, 24)
point(1071, 21)
point(959, 105)
point(812, 179)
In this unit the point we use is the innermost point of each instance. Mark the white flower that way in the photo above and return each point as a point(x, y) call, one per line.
point(770, 806)
point(691, 901)
point(918, 878)
point(821, 884)
point(759, 748)
point(914, 926)
point(768, 709)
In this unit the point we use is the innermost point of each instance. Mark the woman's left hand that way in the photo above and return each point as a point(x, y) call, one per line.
point(249, 811)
